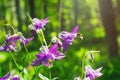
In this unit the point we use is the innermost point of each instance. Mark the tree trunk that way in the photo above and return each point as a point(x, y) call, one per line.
point(61, 17)
point(17, 4)
point(3, 12)
point(32, 8)
point(45, 7)
point(118, 7)
point(108, 18)
point(75, 3)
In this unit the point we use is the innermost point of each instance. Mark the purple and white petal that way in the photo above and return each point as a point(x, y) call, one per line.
point(53, 49)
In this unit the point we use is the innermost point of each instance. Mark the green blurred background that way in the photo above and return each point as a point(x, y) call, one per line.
point(99, 23)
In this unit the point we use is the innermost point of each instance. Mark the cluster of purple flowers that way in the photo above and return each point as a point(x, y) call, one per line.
point(48, 54)
point(9, 77)
point(11, 42)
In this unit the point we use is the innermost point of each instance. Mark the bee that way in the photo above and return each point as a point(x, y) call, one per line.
point(80, 35)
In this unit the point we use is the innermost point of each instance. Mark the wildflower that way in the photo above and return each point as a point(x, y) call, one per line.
point(68, 37)
point(92, 74)
point(38, 25)
point(25, 41)
point(55, 40)
point(47, 56)
point(10, 43)
point(11, 40)
point(5, 77)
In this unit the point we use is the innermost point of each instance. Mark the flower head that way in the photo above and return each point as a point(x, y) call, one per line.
point(25, 41)
point(68, 37)
point(47, 56)
point(11, 42)
point(92, 74)
point(38, 25)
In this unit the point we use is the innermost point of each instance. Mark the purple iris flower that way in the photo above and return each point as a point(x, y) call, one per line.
point(38, 25)
point(68, 37)
point(47, 56)
point(5, 77)
point(91, 73)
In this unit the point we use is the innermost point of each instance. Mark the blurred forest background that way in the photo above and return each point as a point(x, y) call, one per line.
point(99, 23)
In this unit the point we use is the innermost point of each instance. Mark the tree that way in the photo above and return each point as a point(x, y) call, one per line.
point(17, 4)
point(32, 8)
point(108, 19)
point(75, 3)
point(61, 14)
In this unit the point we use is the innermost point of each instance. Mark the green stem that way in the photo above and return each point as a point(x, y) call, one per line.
point(27, 52)
point(0, 70)
point(40, 38)
point(11, 27)
point(29, 17)
point(43, 37)
point(83, 65)
point(14, 60)
point(50, 74)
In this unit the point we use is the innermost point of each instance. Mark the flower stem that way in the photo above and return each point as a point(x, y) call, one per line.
point(27, 52)
point(29, 17)
point(83, 65)
point(43, 37)
point(50, 74)
point(40, 38)
point(11, 27)
point(14, 60)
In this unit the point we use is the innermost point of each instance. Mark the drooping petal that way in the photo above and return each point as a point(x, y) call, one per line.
point(58, 55)
point(65, 46)
point(36, 62)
